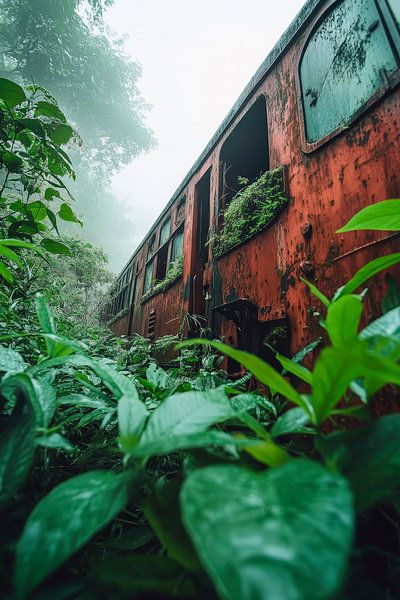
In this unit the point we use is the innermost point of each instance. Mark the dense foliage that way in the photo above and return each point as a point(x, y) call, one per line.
point(251, 210)
point(122, 478)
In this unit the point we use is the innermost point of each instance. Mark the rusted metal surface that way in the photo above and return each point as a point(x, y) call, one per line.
point(357, 166)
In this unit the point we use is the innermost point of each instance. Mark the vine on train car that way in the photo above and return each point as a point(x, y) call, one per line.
point(120, 478)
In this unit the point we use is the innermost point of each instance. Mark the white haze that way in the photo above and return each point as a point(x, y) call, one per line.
point(197, 57)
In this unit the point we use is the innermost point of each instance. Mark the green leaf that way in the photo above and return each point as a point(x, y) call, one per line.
point(268, 535)
point(387, 325)
point(315, 292)
point(11, 93)
point(55, 440)
point(32, 390)
point(67, 214)
point(11, 361)
point(6, 273)
point(343, 319)
point(382, 216)
point(55, 247)
point(260, 369)
point(186, 441)
point(53, 219)
point(46, 109)
point(333, 373)
point(368, 271)
point(46, 320)
point(162, 512)
point(10, 255)
point(132, 415)
point(293, 420)
point(295, 368)
point(33, 125)
point(65, 520)
point(50, 193)
point(369, 457)
point(11, 161)
point(62, 134)
point(38, 210)
point(17, 449)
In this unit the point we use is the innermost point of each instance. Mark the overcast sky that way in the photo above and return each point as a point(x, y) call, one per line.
point(197, 57)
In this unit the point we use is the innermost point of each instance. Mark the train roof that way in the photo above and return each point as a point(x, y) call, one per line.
point(280, 47)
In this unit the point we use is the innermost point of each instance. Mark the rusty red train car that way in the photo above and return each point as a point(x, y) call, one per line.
point(313, 138)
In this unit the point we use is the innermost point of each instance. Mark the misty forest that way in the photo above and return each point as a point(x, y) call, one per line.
point(213, 412)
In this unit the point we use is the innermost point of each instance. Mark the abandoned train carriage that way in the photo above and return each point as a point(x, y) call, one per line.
point(313, 138)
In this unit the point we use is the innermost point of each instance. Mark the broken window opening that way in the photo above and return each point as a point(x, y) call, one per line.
point(162, 262)
point(244, 154)
point(177, 244)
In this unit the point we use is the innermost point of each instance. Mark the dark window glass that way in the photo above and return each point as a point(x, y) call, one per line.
point(177, 244)
point(148, 277)
point(162, 258)
point(164, 233)
point(346, 61)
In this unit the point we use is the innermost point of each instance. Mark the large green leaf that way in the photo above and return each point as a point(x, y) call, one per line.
point(382, 216)
point(283, 534)
point(368, 457)
point(186, 441)
point(11, 161)
point(46, 109)
point(67, 214)
point(35, 392)
point(186, 413)
point(17, 448)
point(163, 513)
point(65, 520)
point(132, 414)
point(333, 373)
point(260, 369)
point(10, 255)
point(343, 319)
point(11, 93)
point(368, 271)
point(55, 247)
point(62, 134)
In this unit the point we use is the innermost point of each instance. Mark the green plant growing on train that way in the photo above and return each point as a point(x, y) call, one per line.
point(174, 271)
point(251, 210)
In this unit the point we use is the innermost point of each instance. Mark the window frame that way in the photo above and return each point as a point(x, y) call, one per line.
point(167, 244)
point(390, 84)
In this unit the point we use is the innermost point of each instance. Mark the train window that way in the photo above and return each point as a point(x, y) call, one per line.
point(346, 61)
point(148, 277)
point(151, 246)
point(162, 261)
point(245, 152)
point(177, 244)
point(164, 233)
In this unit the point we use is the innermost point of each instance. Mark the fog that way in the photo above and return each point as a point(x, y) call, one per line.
point(196, 59)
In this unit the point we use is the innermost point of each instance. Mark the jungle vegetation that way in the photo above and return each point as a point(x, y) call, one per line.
point(123, 476)
point(67, 48)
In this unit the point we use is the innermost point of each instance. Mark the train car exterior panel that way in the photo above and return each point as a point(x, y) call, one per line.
point(256, 285)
